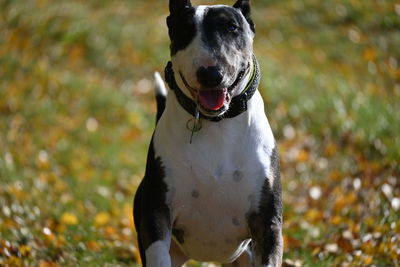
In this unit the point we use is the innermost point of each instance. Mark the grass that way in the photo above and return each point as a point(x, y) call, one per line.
point(77, 113)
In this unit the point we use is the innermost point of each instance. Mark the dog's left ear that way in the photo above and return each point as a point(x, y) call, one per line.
point(177, 5)
point(244, 7)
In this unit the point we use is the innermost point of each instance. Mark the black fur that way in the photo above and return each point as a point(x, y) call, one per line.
point(160, 99)
point(223, 25)
point(176, 6)
point(244, 7)
point(266, 224)
point(210, 76)
point(181, 26)
point(151, 212)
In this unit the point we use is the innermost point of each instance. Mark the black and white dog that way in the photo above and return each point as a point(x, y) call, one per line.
point(211, 190)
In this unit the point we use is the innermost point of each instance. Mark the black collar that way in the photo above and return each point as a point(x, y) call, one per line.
point(238, 103)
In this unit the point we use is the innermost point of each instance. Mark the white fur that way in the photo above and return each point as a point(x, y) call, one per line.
point(159, 85)
point(157, 254)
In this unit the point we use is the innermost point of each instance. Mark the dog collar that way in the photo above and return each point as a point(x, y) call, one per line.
point(238, 103)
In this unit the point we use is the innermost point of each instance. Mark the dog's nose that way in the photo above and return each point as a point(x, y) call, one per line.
point(210, 76)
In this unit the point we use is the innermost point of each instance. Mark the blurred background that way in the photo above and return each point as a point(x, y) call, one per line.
point(77, 113)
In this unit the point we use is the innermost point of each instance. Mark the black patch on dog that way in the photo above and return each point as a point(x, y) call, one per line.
point(244, 7)
point(179, 235)
point(223, 25)
point(160, 99)
point(209, 77)
point(235, 222)
point(151, 213)
point(265, 225)
point(181, 28)
point(237, 176)
point(195, 194)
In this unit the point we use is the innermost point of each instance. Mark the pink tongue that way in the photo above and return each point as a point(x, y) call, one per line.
point(212, 99)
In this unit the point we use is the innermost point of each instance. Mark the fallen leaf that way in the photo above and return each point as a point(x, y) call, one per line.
point(43, 263)
point(102, 218)
point(93, 246)
point(69, 218)
point(25, 250)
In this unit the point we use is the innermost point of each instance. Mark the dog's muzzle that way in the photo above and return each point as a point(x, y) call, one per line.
point(236, 105)
point(213, 101)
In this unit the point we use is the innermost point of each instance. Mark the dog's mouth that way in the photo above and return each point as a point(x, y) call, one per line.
point(214, 101)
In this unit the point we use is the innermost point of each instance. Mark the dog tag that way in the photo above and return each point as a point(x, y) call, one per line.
point(194, 125)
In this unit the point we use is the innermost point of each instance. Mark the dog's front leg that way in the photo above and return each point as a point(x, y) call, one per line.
point(266, 231)
point(157, 254)
point(152, 215)
point(266, 226)
point(267, 243)
point(152, 221)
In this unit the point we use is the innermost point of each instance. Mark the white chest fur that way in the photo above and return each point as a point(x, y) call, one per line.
point(217, 179)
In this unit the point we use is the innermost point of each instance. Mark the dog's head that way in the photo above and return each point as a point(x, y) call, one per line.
point(211, 50)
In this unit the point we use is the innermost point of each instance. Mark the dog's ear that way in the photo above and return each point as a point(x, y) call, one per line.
point(177, 5)
point(244, 7)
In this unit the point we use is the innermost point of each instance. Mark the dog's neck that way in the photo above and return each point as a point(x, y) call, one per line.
point(238, 105)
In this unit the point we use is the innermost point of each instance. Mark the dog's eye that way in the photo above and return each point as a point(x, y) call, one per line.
point(232, 28)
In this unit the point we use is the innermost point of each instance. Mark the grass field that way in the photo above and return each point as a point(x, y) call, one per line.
point(77, 113)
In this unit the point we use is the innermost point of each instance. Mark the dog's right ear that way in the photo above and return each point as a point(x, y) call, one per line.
point(178, 5)
point(244, 7)
point(181, 24)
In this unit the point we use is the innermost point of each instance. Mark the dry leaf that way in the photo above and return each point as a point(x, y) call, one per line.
point(69, 218)
point(102, 218)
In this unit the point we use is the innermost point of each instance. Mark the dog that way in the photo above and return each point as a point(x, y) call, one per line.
point(211, 189)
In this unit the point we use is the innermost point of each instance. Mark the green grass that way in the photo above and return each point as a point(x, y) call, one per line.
point(77, 113)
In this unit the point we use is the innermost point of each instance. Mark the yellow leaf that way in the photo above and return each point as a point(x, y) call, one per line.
point(17, 192)
point(330, 149)
point(303, 156)
point(370, 221)
point(368, 260)
point(93, 246)
point(130, 135)
point(69, 218)
point(335, 175)
point(47, 264)
point(102, 218)
point(369, 54)
point(25, 250)
point(109, 232)
point(313, 215)
point(336, 220)
point(127, 210)
point(76, 53)
point(13, 261)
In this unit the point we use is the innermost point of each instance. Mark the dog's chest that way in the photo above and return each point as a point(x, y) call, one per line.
point(214, 182)
point(210, 208)
point(211, 193)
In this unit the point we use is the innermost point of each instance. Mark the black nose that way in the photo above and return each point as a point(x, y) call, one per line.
point(210, 76)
